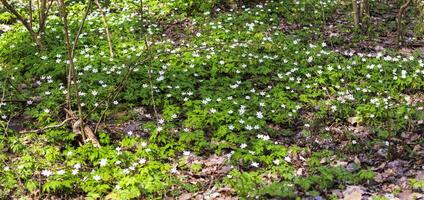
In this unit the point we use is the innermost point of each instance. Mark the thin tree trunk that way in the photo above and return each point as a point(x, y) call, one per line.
point(105, 24)
point(72, 75)
point(365, 10)
point(356, 14)
point(27, 24)
point(44, 11)
point(38, 40)
point(141, 19)
point(85, 130)
point(399, 26)
point(30, 12)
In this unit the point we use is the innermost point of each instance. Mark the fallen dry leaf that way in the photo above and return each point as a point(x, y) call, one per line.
point(215, 160)
point(353, 193)
point(354, 120)
point(405, 195)
point(420, 175)
point(186, 196)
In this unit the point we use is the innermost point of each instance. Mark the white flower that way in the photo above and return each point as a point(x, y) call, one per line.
point(46, 173)
point(287, 159)
point(241, 111)
point(186, 153)
point(259, 115)
point(103, 162)
point(264, 137)
point(310, 59)
point(276, 162)
point(254, 164)
point(77, 166)
point(250, 26)
point(174, 170)
point(61, 172)
point(74, 172)
point(243, 145)
point(142, 161)
point(97, 177)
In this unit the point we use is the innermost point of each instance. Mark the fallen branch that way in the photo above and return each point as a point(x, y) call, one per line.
point(48, 127)
point(85, 131)
point(7, 125)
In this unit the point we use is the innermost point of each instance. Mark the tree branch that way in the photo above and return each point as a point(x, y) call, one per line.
point(105, 24)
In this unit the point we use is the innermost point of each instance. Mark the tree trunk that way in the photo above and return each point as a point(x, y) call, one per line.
point(365, 10)
point(356, 14)
point(27, 23)
point(108, 34)
point(38, 40)
point(399, 26)
point(78, 125)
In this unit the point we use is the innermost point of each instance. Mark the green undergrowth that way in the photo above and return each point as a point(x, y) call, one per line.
point(229, 82)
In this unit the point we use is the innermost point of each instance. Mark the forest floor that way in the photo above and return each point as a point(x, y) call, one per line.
point(267, 101)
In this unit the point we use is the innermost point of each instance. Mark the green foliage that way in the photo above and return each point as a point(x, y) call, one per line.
point(417, 184)
point(227, 82)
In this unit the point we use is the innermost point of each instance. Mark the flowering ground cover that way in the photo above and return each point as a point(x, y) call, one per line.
point(223, 103)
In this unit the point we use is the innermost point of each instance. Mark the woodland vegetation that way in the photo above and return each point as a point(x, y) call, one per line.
point(216, 99)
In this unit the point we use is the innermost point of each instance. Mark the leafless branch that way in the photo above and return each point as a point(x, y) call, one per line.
point(106, 26)
point(49, 127)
